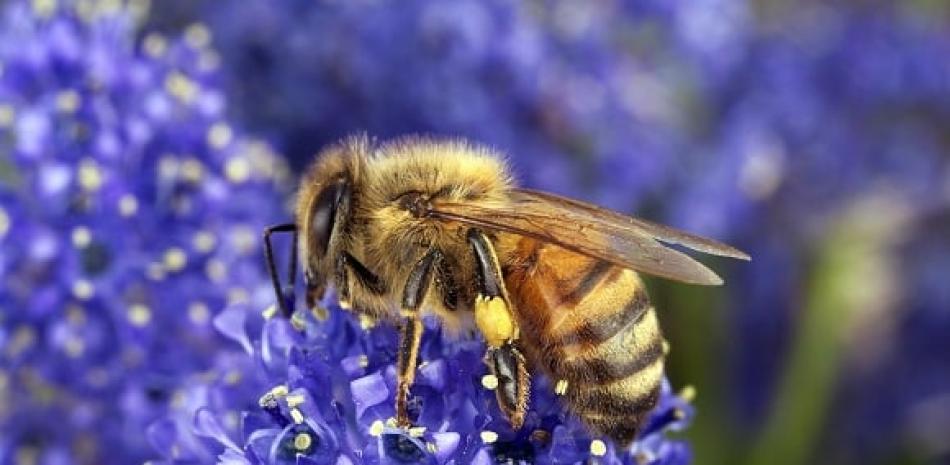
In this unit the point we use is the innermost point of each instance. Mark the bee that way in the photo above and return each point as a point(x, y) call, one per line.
point(420, 226)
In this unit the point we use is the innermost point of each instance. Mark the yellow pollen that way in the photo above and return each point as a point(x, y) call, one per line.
point(363, 361)
point(85, 9)
point(4, 223)
point(298, 321)
point(494, 320)
point(488, 437)
point(139, 315)
point(178, 399)
point(179, 86)
point(90, 176)
point(296, 416)
point(269, 312)
point(366, 322)
point(245, 239)
point(155, 271)
point(204, 241)
point(598, 448)
point(302, 441)
point(320, 313)
point(23, 338)
point(83, 289)
point(688, 393)
point(679, 414)
point(175, 259)
point(641, 458)
point(197, 35)
point(81, 237)
point(67, 101)
point(219, 135)
point(192, 170)
point(128, 205)
point(168, 166)
point(490, 382)
point(6, 115)
point(199, 313)
point(139, 9)
point(280, 390)
point(155, 45)
point(417, 431)
point(215, 270)
point(267, 400)
point(74, 347)
point(295, 400)
point(432, 447)
point(109, 7)
point(376, 429)
point(237, 169)
point(561, 387)
point(232, 377)
point(237, 295)
point(44, 8)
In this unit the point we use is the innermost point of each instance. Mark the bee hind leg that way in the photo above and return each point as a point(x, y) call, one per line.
point(508, 366)
point(417, 285)
point(495, 320)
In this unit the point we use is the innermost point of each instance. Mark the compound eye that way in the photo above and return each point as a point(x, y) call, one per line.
point(324, 215)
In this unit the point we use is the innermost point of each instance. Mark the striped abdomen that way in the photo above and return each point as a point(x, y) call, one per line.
point(590, 325)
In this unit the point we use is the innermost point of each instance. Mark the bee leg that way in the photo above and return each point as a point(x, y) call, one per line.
point(417, 285)
point(347, 266)
point(284, 294)
point(495, 320)
point(509, 367)
point(367, 278)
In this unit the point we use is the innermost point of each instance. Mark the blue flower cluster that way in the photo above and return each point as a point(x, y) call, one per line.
point(763, 123)
point(323, 384)
point(132, 283)
point(130, 214)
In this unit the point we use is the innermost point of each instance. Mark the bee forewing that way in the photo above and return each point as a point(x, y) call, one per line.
point(658, 231)
point(593, 231)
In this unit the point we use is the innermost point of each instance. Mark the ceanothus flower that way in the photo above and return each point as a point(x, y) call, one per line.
point(130, 211)
point(727, 118)
point(325, 385)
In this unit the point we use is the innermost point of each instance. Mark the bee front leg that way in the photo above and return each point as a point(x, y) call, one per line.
point(495, 320)
point(284, 294)
point(417, 285)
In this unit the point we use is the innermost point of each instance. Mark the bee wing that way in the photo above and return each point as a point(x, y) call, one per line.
point(593, 231)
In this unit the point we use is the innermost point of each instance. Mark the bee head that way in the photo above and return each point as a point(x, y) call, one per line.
point(323, 211)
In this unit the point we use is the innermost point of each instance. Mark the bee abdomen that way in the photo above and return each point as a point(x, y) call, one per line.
point(612, 386)
point(612, 359)
point(617, 418)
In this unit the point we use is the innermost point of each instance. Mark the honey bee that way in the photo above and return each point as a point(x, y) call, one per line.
point(421, 226)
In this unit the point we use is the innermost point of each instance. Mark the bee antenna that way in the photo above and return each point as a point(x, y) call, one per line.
point(285, 295)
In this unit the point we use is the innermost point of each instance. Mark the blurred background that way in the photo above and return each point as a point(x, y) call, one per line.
point(814, 136)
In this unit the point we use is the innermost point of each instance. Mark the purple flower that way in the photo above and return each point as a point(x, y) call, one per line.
point(325, 387)
point(129, 216)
